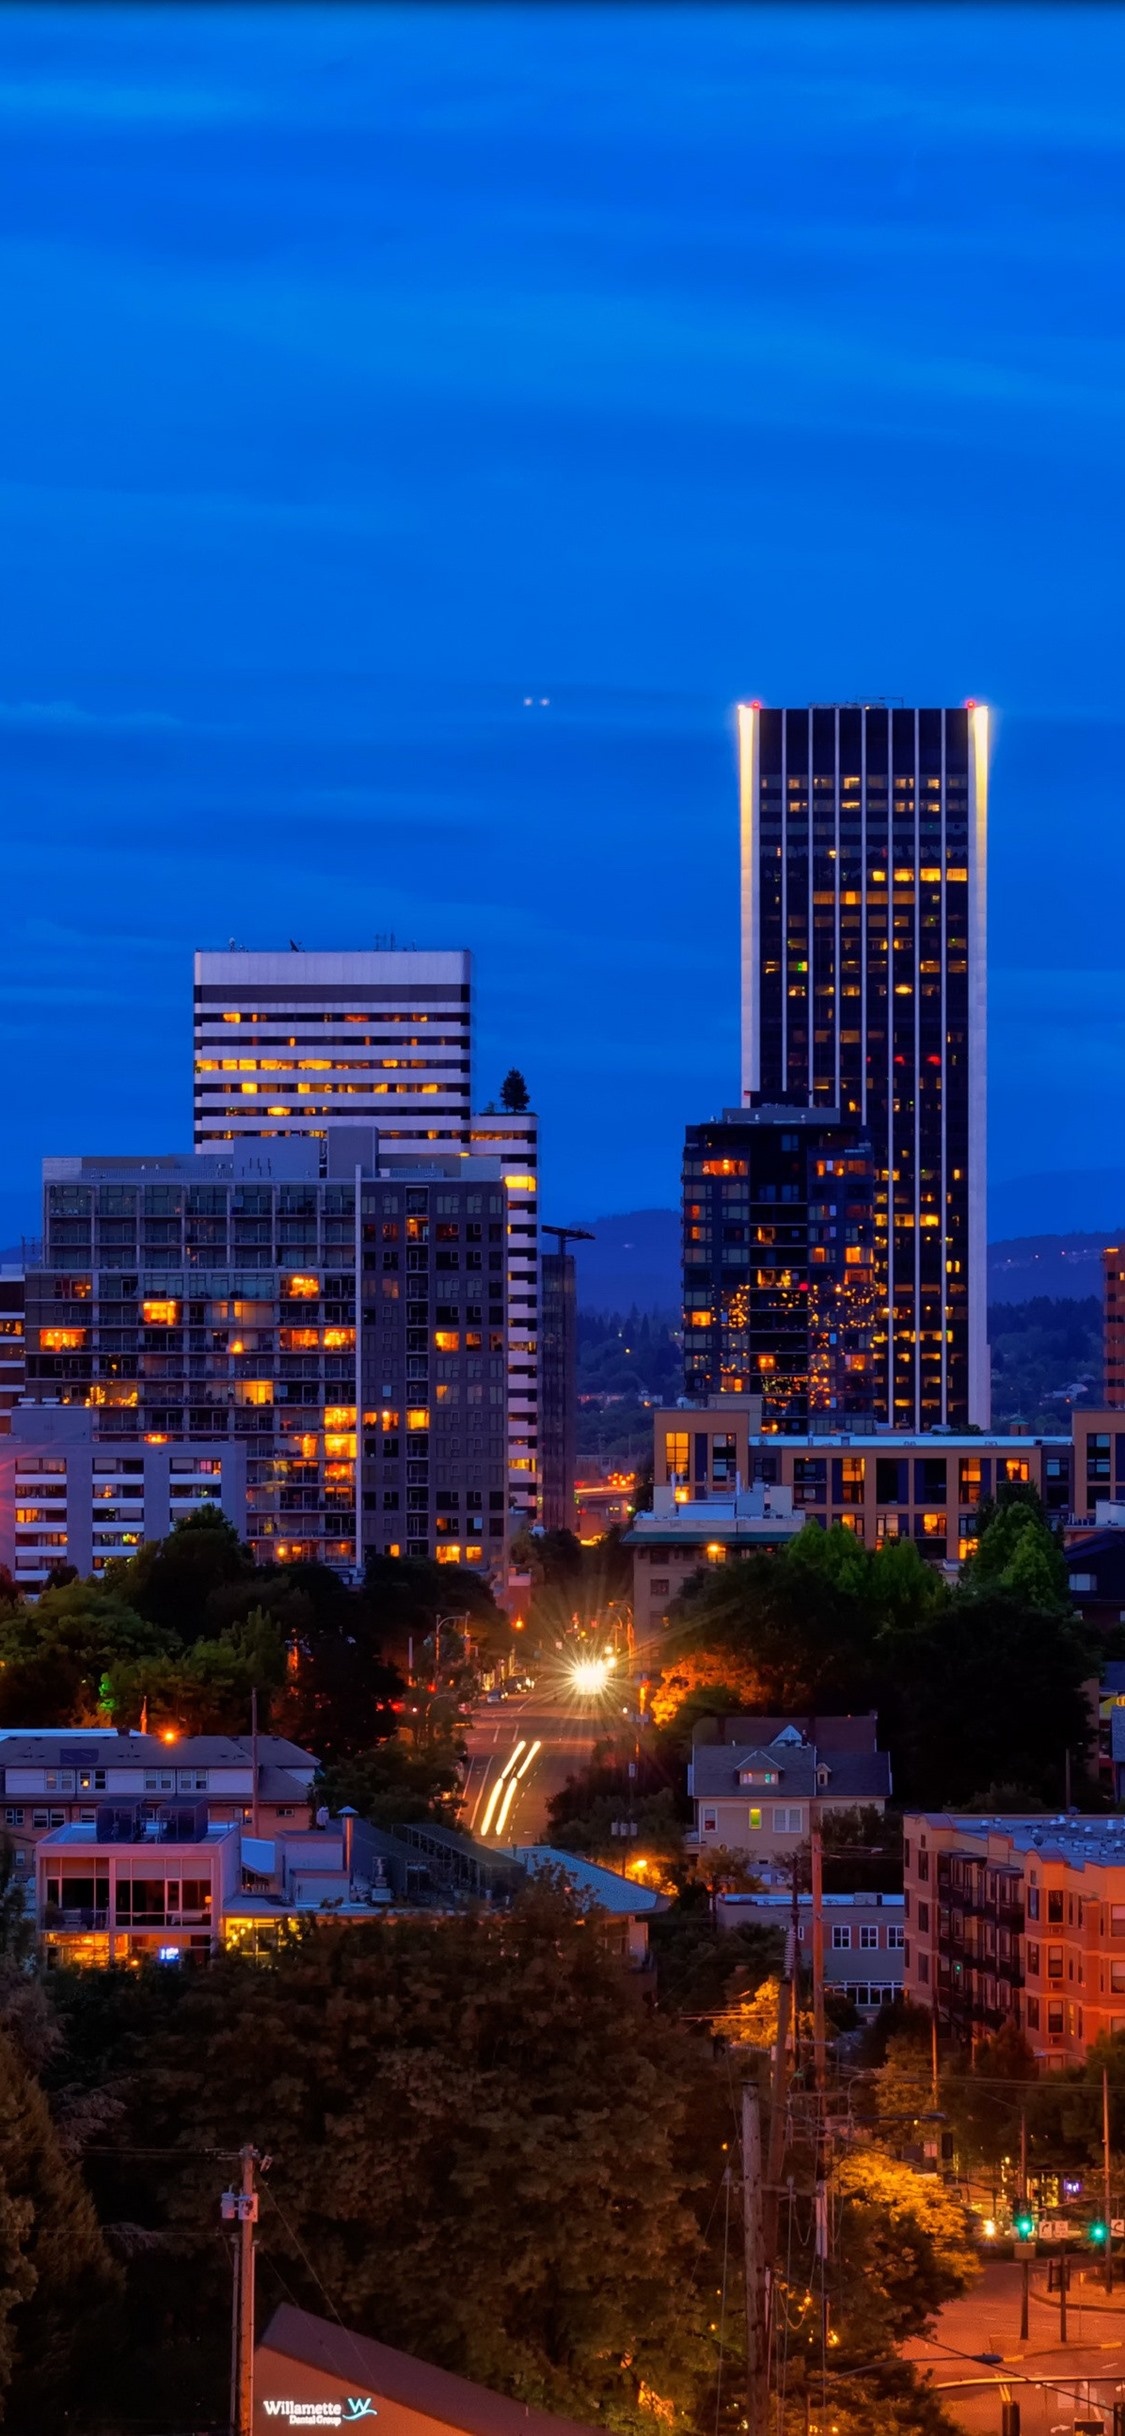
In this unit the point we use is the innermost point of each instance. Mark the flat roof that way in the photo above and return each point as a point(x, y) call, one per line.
point(1072, 1838)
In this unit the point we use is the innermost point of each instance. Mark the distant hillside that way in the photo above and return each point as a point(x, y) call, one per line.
point(634, 1263)
point(1059, 1265)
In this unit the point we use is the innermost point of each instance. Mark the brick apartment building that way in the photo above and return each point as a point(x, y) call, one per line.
point(1021, 1920)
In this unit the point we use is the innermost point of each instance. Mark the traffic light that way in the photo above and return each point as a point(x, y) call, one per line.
point(1023, 2225)
point(1098, 2229)
point(1009, 2419)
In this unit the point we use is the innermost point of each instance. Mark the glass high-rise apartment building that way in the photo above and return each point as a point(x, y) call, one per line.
point(863, 830)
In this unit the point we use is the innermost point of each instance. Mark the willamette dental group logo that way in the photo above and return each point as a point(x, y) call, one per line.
point(322, 2414)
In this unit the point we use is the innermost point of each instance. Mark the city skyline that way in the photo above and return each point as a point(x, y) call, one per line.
point(431, 595)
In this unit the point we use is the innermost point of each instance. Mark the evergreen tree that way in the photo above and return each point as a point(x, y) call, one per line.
point(514, 1092)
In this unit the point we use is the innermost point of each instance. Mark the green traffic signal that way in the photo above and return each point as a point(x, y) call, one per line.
point(1097, 2231)
point(1025, 2226)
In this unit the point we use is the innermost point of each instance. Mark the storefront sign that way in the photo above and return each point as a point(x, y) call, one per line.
point(345, 2414)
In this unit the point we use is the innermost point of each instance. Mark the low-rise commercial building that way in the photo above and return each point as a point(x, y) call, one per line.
point(678, 1534)
point(51, 1779)
point(162, 1882)
point(1020, 1920)
point(755, 1782)
point(864, 1939)
point(881, 1484)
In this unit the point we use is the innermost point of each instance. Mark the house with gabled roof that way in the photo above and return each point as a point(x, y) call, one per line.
point(754, 1781)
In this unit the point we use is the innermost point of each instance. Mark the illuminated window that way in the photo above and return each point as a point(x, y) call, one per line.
point(338, 1340)
point(299, 1340)
point(755, 1819)
point(160, 1314)
point(675, 1453)
point(726, 1167)
point(418, 1416)
point(301, 1289)
point(389, 1420)
point(339, 1416)
point(62, 1340)
point(449, 1553)
point(253, 1391)
point(448, 1340)
point(340, 1443)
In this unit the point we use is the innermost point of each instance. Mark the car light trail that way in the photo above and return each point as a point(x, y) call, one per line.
point(510, 1790)
point(494, 1796)
point(512, 1786)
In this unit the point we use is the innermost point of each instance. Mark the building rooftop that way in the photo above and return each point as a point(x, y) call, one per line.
point(1068, 1837)
point(801, 1768)
point(428, 2394)
point(606, 1887)
point(110, 1749)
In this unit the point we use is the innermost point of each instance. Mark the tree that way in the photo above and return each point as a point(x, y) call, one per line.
point(659, 1838)
point(984, 1685)
point(54, 1658)
point(172, 1581)
point(1017, 1551)
point(514, 1092)
point(395, 1782)
point(485, 2151)
point(70, 2279)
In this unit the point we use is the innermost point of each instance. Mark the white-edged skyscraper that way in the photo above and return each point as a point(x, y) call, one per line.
point(864, 871)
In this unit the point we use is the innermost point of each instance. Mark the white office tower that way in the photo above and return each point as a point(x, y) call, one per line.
point(301, 1043)
point(292, 1043)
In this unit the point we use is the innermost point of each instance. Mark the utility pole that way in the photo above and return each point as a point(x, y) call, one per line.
point(820, 2042)
point(757, 2382)
point(254, 1760)
point(1025, 2295)
point(241, 2208)
point(1064, 2280)
point(775, 2154)
point(935, 2085)
point(1108, 2199)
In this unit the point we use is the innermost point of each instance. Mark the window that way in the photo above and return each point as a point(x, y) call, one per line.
point(1054, 1905)
point(1033, 1905)
point(675, 1455)
point(1033, 1960)
point(923, 1966)
point(896, 1937)
point(1055, 2019)
point(1054, 1962)
point(923, 1914)
point(923, 1866)
point(193, 1780)
point(1033, 2013)
point(1117, 1978)
point(1117, 1919)
point(841, 1937)
point(755, 1817)
point(661, 1584)
point(868, 1936)
point(13, 1818)
point(788, 1821)
point(160, 1780)
point(709, 1822)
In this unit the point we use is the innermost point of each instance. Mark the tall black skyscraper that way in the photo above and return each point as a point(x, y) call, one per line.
point(863, 990)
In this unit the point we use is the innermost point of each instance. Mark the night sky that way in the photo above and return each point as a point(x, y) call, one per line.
point(367, 371)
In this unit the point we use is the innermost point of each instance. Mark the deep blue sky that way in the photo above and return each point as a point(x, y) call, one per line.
point(368, 370)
